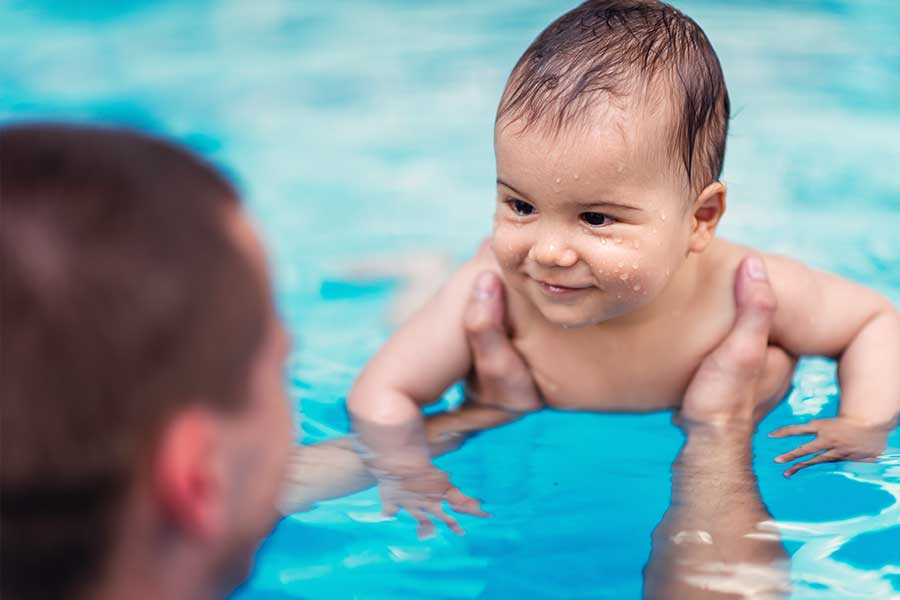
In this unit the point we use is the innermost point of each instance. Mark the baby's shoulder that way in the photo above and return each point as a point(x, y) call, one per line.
point(726, 256)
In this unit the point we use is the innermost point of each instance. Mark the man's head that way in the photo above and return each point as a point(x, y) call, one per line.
point(610, 139)
point(143, 403)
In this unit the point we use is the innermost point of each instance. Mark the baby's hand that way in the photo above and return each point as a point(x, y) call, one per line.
point(421, 491)
point(837, 439)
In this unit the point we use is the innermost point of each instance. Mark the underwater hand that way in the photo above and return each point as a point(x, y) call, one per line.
point(837, 439)
point(421, 492)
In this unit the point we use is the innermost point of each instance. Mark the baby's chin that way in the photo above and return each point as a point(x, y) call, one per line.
point(575, 317)
point(568, 318)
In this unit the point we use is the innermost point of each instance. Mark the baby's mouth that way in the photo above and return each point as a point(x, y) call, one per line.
point(558, 289)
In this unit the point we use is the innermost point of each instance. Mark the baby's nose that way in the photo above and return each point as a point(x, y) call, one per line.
point(553, 253)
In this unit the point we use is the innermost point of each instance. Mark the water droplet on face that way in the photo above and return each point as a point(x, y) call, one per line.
point(636, 244)
point(624, 276)
point(636, 288)
point(634, 266)
point(559, 180)
point(620, 265)
point(617, 240)
point(576, 175)
point(603, 241)
point(662, 215)
point(619, 296)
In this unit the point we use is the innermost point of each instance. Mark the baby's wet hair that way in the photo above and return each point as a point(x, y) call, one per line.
point(613, 50)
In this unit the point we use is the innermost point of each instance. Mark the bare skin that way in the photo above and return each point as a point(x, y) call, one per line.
point(714, 541)
point(617, 289)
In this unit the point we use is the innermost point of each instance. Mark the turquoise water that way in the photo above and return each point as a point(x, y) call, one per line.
point(360, 129)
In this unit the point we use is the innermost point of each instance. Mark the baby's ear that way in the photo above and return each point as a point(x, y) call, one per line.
point(708, 208)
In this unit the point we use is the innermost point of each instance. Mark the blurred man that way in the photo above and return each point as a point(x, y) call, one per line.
point(145, 422)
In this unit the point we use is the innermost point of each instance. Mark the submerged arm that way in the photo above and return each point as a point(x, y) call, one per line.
point(333, 469)
point(715, 540)
point(712, 542)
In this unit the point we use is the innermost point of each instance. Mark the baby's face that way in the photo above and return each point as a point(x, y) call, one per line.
point(590, 224)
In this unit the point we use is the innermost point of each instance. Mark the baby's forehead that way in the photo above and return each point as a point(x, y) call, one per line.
point(611, 139)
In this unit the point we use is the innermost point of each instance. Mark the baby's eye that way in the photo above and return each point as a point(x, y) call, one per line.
point(596, 219)
point(520, 207)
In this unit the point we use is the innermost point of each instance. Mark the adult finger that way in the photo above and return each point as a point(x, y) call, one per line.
point(502, 375)
point(789, 430)
point(743, 352)
point(815, 460)
point(807, 448)
point(724, 388)
point(484, 316)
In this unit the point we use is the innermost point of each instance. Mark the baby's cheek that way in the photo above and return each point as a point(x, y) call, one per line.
point(510, 245)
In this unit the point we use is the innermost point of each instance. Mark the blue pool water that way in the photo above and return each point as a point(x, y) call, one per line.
point(363, 128)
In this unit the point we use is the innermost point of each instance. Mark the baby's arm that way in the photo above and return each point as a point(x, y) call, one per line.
point(823, 314)
point(418, 363)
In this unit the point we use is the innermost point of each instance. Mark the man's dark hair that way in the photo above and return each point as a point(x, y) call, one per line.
point(632, 49)
point(125, 298)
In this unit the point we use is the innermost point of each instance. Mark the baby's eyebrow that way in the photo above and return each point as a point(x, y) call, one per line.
point(596, 204)
point(503, 183)
point(611, 204)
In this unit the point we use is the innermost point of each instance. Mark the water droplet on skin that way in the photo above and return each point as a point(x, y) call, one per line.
point(619, 296)
point(636, 244)
point(636, 288)
point(576, 175)
point(620, 265)
point(624, 276)
point(634, 266)
point(617, 240)
point(559, 180)
point(662, 216)
point(603, 241)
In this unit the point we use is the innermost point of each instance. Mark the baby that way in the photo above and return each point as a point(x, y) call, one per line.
point(609, 140)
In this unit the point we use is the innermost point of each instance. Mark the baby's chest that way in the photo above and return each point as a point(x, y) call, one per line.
point(616, 373)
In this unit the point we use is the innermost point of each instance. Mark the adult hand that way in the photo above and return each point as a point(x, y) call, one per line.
point(730, 380)
point(500, 377)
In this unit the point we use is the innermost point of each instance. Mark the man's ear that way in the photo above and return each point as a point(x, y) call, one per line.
point(708, 208)
point(187, 474)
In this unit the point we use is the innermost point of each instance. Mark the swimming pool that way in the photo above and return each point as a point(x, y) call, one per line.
point(360, 129)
